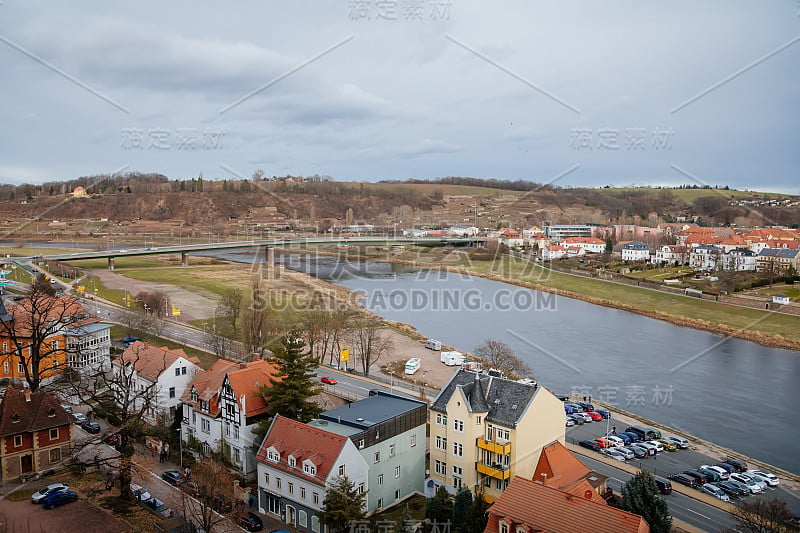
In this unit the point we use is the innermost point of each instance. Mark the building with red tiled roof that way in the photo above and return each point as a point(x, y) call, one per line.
point(560, 469)
point(162, 373)
point(589, 244)
point(553, 251)
point(223, 405)
point(527, 506)
point(296, 464)
point(35, 433)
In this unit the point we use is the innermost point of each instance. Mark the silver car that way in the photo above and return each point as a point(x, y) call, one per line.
point(627, 453)
point(710, 488)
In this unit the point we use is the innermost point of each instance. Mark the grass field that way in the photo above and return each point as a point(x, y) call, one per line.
point(793, 292)
point(213, 279)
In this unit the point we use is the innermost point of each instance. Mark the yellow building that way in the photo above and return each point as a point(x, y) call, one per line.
point(485, 430)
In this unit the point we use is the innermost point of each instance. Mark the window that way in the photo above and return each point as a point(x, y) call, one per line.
point(311, 470)
point(205, 425)
point(235, 431)
point(503, 527)
point(177, 371)
point(55, 366)
point(5, 367)
point(194, 418)
point(172, 392)
point(183, 370)
point(54, 345)
point(487, 481)
point(477, 421)
point(441, 419)
point(302, 518)
point(441, 443)
point(377, 457)
point(315, 498)
point(361, 444)
point(55, 455)
point(380, 503)
point(458, 425)
point(391, 450)
point(362, 488)
point(456, 482)
point(440, 467)
point(237, 458)
point(20, 368)
point(413, 440)
point(377, 434)
point(380, 479)
point(314, 524)
point(503, 434)
point(194, 395)
point(292, 462)
point(291, 487)
point(341, 470)
point(303, 493)
point(397, 471)
point(396, 494)
point(5, 347)
point(458, 449)
point(54, 434)
point(227, 429)
point(273, 456)
point(498, 484)
point(266, 478)
point(17, 441)
point(457, 470)
point(278, 482)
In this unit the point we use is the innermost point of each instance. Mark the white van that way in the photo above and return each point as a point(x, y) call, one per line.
point(433, 345)
point(412, 365)
point(453, 358)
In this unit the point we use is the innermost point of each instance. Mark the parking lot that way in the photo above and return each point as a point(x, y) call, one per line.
point(25, 516)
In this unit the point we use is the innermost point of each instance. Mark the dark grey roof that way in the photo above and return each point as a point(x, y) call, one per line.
point(503, 400)
point(746, 252)
point(371, 410)
point(635, 245)
point(779, 252)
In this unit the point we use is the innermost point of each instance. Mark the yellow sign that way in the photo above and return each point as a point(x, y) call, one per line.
point(175, 311)
point(344, 354)
point(81, 288)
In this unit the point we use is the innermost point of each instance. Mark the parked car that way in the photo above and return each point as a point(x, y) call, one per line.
point(173, 477)
point(649, 446)
point(577, 419)
point(616, 441)
point(251, 522)
point(584, 416)
point(156, 506)
point(590, 444)
point(723, 474)
point(130, 340)
point(139, 493)
point(679, 441)
point(634, 436)
point(667, 444)
point(57, 498)
point(717, 492)
point(79, 417)
point(614, 454)
point(758, 479)
point(570, 421)
point(91, 427)
point(625, 438)
point(752, 486)
point(740, 466)
point(595, 415)
point(603, 443)
point(728, 468)
point(67, 408)
point(771, 479)
point(112, 440)
point(664, 486)
point(329, 380)
point(732, 489)
point(625, 452)
point(743, 487)
point(192, 489)
point(586, 406)
point(638, 451)
point(604, 413)
point(658, 445)
point(42, 493)
point(713, 475)
point(683, 479)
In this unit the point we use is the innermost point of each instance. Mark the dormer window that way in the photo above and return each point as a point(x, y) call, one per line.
point(15, 417)
point(273, 456)
point(309, 468)
point(51, 412)
point(194, 394)
point(292, 462)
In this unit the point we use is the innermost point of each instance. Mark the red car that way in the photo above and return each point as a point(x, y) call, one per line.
point(328, 380)
point(603, 443)
point(595, 415)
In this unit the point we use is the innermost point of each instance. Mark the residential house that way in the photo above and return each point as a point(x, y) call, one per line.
point(528, 506)
point(552, 251)
point(164, 372)
point(740, 260)
point(35, 433)
point(778, 260)
point(222, 406)
point(559, 232)
point(560, 469)
point(296, 464)
point(575, 251)
point(484, 430)
point(706, 257)
point(674, 254)
point(414, 233)
point(510, 237)
point(635, 251)
point(69, 337)
point(532, 232)
point(591, 245)
point(390, 433)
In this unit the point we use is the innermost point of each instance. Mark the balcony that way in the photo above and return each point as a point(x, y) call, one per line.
point(496, 471)
point(501, 448)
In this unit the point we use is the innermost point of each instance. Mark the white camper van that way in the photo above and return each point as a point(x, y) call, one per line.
point(412, 365)
point(433, 345)
point(453, 358)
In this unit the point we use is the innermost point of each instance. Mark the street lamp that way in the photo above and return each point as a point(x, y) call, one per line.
point(180, 446)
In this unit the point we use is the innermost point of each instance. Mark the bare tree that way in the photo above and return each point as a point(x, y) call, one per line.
point(500, 355)
point(210, 489)
point(763, 516)
point(230, 305)
point(369, 342)
point(154, 302)
point(260, 324)
point(33, 333)
point(221, 345)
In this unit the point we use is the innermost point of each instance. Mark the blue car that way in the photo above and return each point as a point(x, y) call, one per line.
point(604, 413)
point(633, 436)
point(59, 498)
point(625, 438)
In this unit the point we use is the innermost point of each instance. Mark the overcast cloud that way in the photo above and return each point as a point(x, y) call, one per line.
point(599, 92)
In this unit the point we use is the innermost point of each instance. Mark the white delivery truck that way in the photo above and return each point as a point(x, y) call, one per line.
point(453, 358)
point(433, 345)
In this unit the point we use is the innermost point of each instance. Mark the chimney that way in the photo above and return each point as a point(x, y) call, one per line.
point(27, 395)
point(256, 356)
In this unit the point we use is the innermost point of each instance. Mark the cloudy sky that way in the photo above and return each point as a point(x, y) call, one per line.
point(575, 93)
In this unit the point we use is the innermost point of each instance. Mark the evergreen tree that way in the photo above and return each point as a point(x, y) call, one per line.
point(294, 383)
point(461, 508)
point(342, 505)
point(478, 515)
point(640, 496)
point(440, 507)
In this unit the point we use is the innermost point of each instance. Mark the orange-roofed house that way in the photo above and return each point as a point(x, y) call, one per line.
point(296, 464)
point(560, 469)
point(162, 373)
point(527, 506)
point(222, 406)
point(58, 332)
point(553, 251)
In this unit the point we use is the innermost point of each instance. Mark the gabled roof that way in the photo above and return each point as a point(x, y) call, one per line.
point(583, 240)
point(18, 415)
point(149, 361)
point(247, 379)
point(303, 442)
point(565, 472)
point(783, 253)
point(544, 508)
point(65, 309)
point(503, 400)
point(207, 383)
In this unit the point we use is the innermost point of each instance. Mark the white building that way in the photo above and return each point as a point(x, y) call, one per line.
point(591, 245)
point(671, 254)
point(296, 464)
point(635, 251)
point(706, 257)
point(553, 251)
point(166, 373)
point(89, 346)
point(739, 260)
